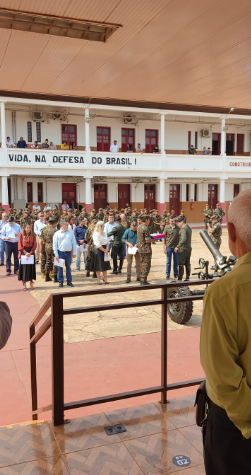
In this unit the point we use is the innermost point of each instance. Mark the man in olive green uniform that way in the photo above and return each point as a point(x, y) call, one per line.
point(144, 249)
point(48, 234)
point(100, 215)
point(218, 211)
point(91, 216)
point(182, 214)
point(89, 239)
point(215, 230)
point(25, 219)
point(19, 215)
point(207, 215)
point(156, 221)
point(118, 245)
point(184, 248)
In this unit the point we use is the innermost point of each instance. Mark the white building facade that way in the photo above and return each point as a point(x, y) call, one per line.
point(93, 176)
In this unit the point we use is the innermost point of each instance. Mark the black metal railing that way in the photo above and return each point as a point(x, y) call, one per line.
point(56, 323)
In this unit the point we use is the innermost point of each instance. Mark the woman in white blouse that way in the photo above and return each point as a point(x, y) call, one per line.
point(100, 250)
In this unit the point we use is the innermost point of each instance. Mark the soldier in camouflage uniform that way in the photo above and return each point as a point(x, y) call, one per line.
point(207, 215)
point(145, 250)
point(219, 212)
point(100, 215)
point(19, 215)
point(156, 221)
point(48, 234)
point(91, 216)
point(88, 237)
point(25, 219)
point(215, 230)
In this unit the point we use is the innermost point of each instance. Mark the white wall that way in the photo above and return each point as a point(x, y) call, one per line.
point(229, 191)
point(54, 192)
point(137, 192)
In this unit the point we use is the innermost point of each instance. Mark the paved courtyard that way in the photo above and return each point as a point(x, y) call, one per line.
point(113, 323)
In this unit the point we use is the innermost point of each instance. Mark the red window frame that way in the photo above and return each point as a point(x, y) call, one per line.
point(103, 139)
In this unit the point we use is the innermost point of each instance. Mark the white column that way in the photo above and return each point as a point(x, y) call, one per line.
point(88, 194)
point(5, 200)
point(3, 126)
point(87, 130)
point(223, 137)
point(162, 133)
point(162, 190)
point(222, 190)
point(183, 192)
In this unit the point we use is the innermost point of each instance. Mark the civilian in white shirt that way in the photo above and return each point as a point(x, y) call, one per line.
point(36, 206)
point(100, 250)
point(114, 147)
point(38, 225)
point(65, 205)
point(108, 227)
point(47, 207)
point(9, 143)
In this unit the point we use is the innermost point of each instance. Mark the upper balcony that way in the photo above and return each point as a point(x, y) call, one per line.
point(75, 162)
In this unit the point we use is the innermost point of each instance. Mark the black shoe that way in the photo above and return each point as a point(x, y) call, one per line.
point(114, 272)
point(70, 284)
point(186, 279)
point(94, 275)
point(119, 271)
point(1, 264)
point(47, 278)
point(128, 280)
point(77, 268)
point(55, 279)
point(168, 277)
point(138, 279)
point(88, 273)
point(61, 284)
point(145, 283)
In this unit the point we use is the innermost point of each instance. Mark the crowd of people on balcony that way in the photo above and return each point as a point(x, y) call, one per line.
point(46, 145)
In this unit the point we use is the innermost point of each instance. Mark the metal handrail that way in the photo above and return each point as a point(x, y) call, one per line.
point(55, 322)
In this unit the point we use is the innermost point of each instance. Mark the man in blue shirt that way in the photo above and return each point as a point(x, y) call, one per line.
point(9, 234)
point(130, 237)
point(64, 244)
point(79, 233)
point(21, 143)
point(3, 221)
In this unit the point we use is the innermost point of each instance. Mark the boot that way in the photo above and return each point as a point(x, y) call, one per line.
point(115, 266)
point(55, 279)
point(88, 273)
point(181, 272)
point(94, 276)
point(47, 278)
point(188, 270)
point(120, 265)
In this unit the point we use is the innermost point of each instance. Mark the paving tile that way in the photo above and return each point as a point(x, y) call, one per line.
point(84, 433)
point(26, 442)
point(47, 466)
point(154, 453)
point(198, 470)
point(193, 434)
point(181, 411)
point(107, 460)
point(140, 421)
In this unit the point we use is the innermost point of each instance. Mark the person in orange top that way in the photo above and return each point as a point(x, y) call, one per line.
point(26, 246)
point(65, 146)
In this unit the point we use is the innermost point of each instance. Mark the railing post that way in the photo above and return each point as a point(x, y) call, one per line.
point(57, 359)
point(33, 369)
point(164, 345)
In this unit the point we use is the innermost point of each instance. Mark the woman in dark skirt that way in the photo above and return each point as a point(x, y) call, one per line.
point(101, 248)
point(27, 246)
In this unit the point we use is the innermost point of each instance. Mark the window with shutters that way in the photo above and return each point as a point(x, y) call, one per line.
point(40, 193)
point(240, 143)
point(29, 132)
point(29, 192)
point(38, 130)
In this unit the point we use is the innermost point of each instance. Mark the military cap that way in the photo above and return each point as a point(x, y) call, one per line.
point(52, 220)
point(182, 211)
point(83, 209)
point(94, 220)
point(145, 216)
point(181, 218)
point(122, 210)
point(164, 211)
point(126, 209)
point(100, 209)
point(69, 210)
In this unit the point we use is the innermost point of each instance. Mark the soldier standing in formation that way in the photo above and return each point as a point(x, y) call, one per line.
point(219, 212)
point(215, 230)
point(207, 215)
point(184, 248)
point(145, 250)
point(48, 234)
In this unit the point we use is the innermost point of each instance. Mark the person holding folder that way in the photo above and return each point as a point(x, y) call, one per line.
point(26, 246)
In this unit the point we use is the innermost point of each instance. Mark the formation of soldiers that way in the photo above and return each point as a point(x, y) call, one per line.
point(155, 224)
point(213, 219)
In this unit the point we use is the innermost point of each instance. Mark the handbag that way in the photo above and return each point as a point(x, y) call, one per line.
point(201, 404)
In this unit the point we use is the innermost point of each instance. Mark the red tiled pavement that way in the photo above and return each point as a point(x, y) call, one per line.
point(92, 368)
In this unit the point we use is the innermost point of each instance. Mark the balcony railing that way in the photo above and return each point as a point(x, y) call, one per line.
point(56, 322)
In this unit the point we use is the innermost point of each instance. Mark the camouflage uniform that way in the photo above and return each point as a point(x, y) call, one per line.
point(220, 213)
point(48, 240)
point(145, 251)
point(24, 221)
point(216, 232)
point(207, 215)
point(100, 217)
point(43, 254)
point(88, 237)
point(156, 219)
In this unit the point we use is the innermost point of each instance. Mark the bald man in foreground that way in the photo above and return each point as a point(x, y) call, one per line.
point(225, 349)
